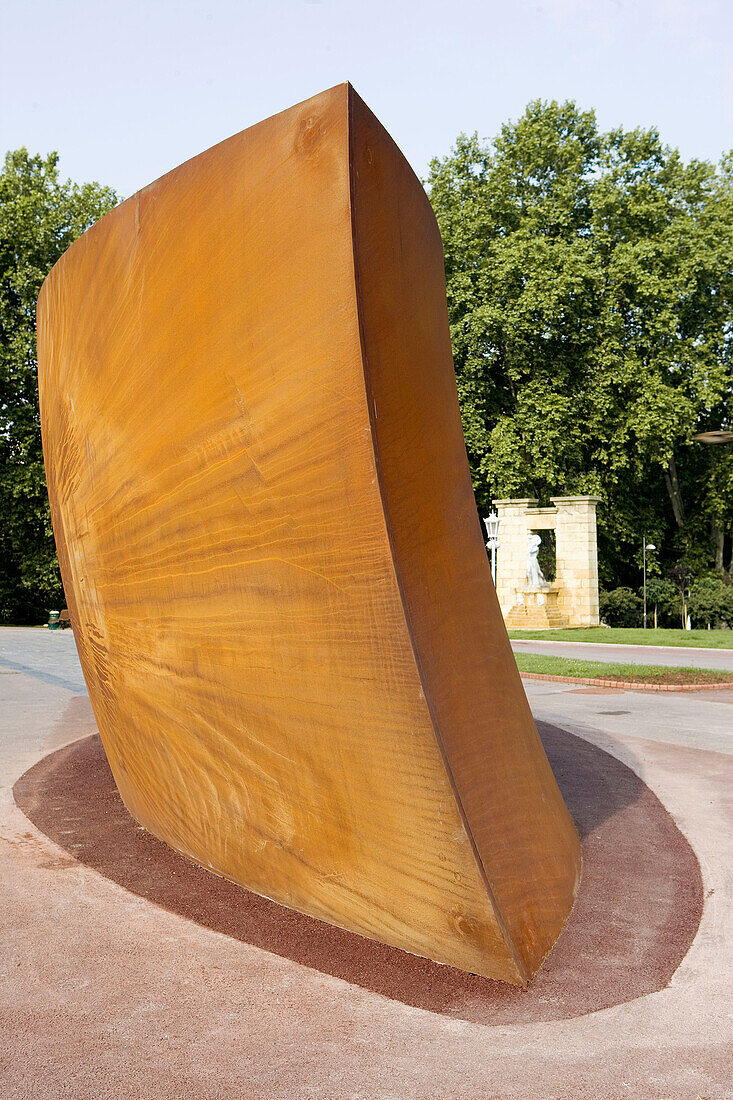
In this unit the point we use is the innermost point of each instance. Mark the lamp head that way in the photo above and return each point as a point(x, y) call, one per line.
point(492, 525)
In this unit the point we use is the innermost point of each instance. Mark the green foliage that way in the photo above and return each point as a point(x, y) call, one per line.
point(681, 576)
point(621, 607)
point(711, 601)
point(550, 665)
point(590, 291)
point(663, 598)
point(40, 216)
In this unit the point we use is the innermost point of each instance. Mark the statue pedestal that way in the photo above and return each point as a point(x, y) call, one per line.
point(536, 609)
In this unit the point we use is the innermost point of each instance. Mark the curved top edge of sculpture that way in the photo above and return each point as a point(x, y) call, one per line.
point(271, 552)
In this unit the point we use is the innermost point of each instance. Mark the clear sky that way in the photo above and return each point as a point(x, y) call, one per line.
point(127, 90)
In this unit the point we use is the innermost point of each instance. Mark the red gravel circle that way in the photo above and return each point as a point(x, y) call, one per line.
point(637, 911)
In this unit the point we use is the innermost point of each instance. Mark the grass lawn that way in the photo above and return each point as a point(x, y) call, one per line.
point(696, 639)
point(608, 670)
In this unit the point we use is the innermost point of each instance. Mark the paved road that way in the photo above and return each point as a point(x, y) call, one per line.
point(681, 656)
point(104, 993)
point(703, 720)
point(49, 656)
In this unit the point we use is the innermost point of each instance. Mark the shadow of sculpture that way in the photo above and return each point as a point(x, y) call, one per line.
point(637, 912)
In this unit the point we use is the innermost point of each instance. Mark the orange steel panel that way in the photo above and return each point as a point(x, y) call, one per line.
point(271, 552)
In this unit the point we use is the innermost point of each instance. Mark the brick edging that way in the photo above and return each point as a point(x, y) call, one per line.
point(629, 685)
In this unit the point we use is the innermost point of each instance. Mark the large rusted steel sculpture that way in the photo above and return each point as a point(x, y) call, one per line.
point(271, 552)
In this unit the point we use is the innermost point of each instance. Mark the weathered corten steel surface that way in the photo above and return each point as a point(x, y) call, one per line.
point(271, 552)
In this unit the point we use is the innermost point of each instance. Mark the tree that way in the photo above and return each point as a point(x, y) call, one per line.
point(662, 596)
point(711, 601)
point(681, 576)
point(590, 290)
point(40, 216)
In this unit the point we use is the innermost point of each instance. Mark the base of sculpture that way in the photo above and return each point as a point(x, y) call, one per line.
point(536, 609)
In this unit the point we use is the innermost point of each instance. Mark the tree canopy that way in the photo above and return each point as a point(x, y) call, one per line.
point(40, 216)
point(590, 292)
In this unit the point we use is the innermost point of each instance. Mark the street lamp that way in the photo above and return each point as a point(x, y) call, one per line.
point(647, 546)
point(492, 530)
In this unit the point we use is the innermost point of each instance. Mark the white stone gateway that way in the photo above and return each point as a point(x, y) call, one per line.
point(526, 598)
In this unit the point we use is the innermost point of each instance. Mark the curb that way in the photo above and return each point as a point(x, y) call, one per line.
point(628, 685)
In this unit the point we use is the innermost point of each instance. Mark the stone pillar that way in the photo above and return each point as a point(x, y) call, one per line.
point(577, 559)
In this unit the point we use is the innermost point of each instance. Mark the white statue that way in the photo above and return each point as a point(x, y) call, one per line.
point(535, 578)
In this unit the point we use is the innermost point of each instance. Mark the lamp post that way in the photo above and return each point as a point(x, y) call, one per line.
point(647, 546)
point(492, 530)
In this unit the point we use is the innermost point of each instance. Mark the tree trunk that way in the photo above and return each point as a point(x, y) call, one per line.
point(718, 539)
point(673, 488)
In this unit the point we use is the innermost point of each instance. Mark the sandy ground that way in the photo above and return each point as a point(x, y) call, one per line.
point(126, 972)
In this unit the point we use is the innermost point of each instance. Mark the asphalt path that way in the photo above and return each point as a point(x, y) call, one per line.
point(702, 720)
point(678, 656)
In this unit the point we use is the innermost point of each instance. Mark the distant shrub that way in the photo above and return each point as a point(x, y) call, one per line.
point(710, 602)
point(621, 607)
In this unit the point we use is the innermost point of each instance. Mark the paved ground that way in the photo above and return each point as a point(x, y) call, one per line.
point(126, 973)
point(681, 656)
